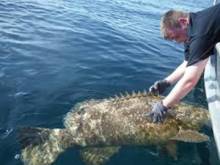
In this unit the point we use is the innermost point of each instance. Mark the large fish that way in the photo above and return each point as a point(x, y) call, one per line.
point(100, 127)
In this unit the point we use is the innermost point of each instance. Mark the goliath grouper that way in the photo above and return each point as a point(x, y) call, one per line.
point(100, 127)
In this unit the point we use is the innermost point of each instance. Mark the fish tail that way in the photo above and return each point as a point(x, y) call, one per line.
point(40, 146)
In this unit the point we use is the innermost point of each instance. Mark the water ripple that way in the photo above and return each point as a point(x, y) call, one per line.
point(5, 133)
point(57, 53)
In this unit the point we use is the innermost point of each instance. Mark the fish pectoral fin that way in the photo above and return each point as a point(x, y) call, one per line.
point(97, 155)
point(190, 136)
point(171, 149)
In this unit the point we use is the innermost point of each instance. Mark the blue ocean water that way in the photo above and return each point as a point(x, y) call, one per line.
point(55, 53)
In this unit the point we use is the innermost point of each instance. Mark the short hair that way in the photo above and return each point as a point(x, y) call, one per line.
point(170, 19)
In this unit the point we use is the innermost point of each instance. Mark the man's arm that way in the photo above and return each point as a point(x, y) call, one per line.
point(160, 86)
point(185, 84)
point(177, 74)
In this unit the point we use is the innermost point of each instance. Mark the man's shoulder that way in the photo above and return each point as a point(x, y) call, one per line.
point(215, 8)
point(207, 16)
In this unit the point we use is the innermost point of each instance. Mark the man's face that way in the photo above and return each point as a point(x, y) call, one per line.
point(177, 34)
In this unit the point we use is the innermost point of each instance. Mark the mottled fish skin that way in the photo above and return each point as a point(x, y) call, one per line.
point(122, 121)
point(113, 122)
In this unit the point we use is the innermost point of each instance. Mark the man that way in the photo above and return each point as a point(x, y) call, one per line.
point(199, 32)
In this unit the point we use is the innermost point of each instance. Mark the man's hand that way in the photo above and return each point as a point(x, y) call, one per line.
point(158, 112)
point(159, 87)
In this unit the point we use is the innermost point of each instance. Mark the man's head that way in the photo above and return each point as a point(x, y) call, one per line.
point(174, 24)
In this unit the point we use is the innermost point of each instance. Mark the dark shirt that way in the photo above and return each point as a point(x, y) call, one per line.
point(203, 33)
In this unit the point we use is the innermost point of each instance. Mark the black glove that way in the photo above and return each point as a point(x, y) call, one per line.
point(158, 112)
point(159, 87)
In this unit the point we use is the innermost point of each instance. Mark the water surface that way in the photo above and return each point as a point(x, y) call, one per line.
point(57, 53)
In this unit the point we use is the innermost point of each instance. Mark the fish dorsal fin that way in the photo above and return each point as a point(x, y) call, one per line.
point(190, 136)
point(133, 94)
point(96, 155)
